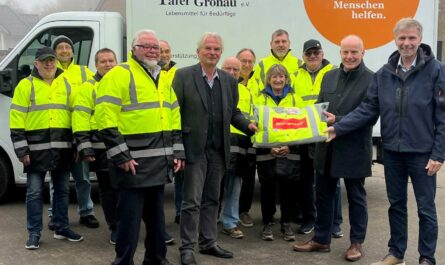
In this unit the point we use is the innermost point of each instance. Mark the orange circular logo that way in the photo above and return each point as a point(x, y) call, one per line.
point(372, 20)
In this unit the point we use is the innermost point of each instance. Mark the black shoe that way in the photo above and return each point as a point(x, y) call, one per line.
point(113, 237)
point(33, 242)
point(51, 225)
point(68, 234)
point(89, 221)
point(166, 262)
point(187, 258)
point(218, 252)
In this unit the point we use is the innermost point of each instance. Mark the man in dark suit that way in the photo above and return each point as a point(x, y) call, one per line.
point(208, 99)
point(347, 157)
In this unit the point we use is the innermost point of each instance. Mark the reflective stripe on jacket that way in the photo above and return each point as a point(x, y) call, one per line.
point(40, 122)
point(290, 62)
point(88, 140)
point(76, 75)
point(307, 89)
point(286, 123)
point(139, 120)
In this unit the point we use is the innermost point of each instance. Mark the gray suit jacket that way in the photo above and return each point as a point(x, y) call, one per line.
point(191, 93)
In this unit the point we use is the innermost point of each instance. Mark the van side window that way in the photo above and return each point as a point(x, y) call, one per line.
point(24, 63)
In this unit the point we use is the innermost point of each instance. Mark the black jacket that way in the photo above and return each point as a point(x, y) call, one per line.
point(350, 155)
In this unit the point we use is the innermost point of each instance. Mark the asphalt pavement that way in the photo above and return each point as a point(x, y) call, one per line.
point(251, 250)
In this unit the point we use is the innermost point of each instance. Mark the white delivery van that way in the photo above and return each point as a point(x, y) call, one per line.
point(241, 23)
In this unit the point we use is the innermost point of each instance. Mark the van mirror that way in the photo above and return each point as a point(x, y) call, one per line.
point(6, 86)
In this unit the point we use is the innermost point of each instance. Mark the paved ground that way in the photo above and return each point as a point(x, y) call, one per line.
point(251, 250)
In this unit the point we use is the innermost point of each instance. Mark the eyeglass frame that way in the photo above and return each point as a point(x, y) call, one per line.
point(148, 47)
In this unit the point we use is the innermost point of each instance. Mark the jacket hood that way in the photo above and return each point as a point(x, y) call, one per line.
point(424, 54)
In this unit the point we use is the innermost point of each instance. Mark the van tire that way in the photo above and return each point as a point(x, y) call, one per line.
point(5, 178)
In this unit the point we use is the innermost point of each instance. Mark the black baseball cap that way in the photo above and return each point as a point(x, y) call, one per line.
point(310, 44)
point(45, 52)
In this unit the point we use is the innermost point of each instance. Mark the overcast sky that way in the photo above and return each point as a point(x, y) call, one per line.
point(43, 7)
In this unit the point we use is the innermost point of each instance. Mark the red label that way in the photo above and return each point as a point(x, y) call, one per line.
point(286, 124)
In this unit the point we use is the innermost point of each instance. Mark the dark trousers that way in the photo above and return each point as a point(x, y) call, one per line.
point(268, 198)
point(305, 187)
point(200, 201)
point(306, 190)
point(358, 209)
point(398, 167)
point(136, 204)
point(108, 198)
point(247, 185)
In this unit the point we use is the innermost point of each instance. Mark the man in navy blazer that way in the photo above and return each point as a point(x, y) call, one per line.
point(208, 98)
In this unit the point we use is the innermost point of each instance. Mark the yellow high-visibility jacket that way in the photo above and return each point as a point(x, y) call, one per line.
point(88, 140)
point(286, 123)
point(304, 87)
point(139, 119)
point(40, 122)
point(77, 75)
point(239, 142)
point(170, 74)
point(268, 165)
point(290, 62)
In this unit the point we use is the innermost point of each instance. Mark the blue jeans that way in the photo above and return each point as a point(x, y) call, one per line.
point(398, 167)
point(81, 175)
point(34, 203)
point(232, 189)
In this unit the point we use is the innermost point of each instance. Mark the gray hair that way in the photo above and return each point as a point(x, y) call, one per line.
point(277, 69)
point(207, 35)
point(408, 23)
point(140, 33)
point(248, 50)
point(279, 32)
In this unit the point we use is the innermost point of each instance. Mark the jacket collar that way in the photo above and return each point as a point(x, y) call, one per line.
point(424, 54)
point(35, 73)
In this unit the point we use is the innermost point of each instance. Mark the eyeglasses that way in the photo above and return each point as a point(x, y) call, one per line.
point(310, 53)
point(148, 47)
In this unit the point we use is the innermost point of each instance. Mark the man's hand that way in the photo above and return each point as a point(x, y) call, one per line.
point(25, 160)
point(178, 164)
point(331, 134)
point(330, 118)
point(129, 166)
point(89, 158)
point(433, 167)
point(252, 126)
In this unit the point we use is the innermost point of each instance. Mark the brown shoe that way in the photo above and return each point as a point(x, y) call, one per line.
point(354, 252)
point(311, 246)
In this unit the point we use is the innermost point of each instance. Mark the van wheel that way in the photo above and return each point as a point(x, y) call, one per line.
point(5, 179)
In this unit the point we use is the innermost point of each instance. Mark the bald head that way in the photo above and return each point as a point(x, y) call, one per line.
point(232, 65)
point(352, 52)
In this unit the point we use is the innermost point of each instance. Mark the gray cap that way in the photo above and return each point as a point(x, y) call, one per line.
point(62, 38)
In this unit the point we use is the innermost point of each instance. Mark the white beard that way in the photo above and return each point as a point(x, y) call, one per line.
point(150, 64)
